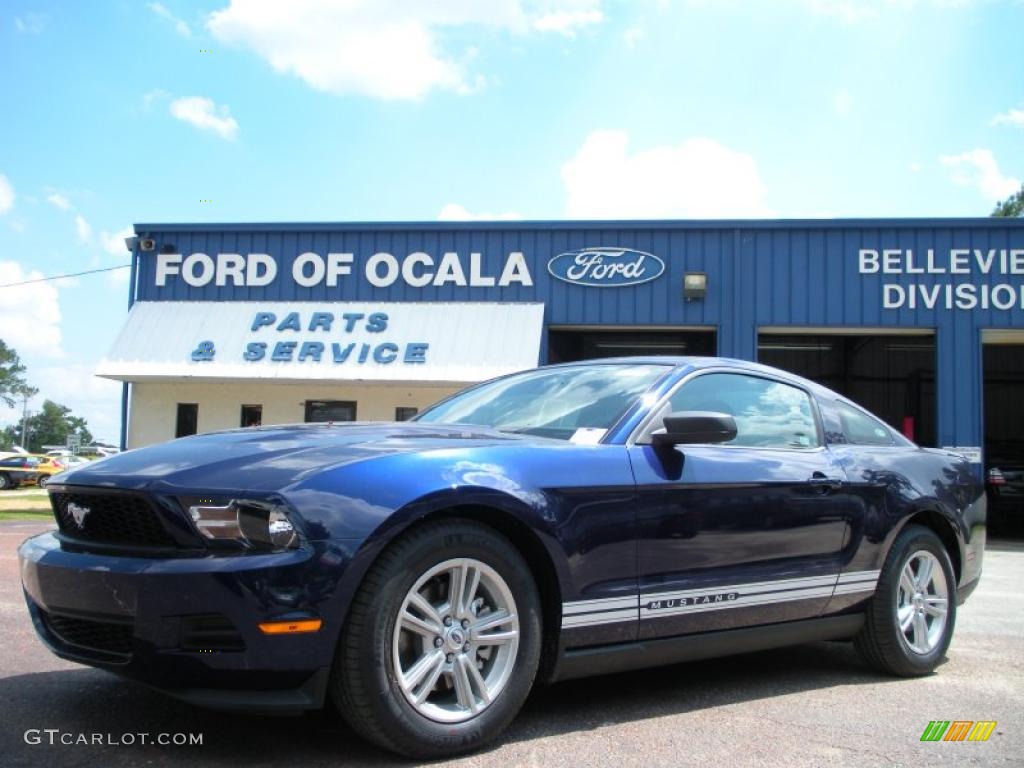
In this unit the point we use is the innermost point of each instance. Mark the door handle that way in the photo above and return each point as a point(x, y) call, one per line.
point(825, 484)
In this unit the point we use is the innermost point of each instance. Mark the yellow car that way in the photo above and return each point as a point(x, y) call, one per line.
point(47, 467)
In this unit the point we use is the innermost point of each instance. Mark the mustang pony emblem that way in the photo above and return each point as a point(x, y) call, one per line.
point(78, 514)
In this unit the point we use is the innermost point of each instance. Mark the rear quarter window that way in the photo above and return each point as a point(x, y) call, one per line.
point(861, 428)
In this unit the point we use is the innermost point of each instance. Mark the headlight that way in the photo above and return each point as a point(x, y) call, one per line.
point(254, 524)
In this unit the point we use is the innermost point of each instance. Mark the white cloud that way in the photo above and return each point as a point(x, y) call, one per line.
point(30, 23)
point(457, 212)
point(855, 11)
point(163, 12)
point(205, 115)
point(29, 314)
point(114, 243)
point(978, 168)
point(914, 167)
point(83, 229)
point(633, 35)
point(386, 49)
point(847, 11)
point(698, 178)
point(841, 102)
point(96, 400)
point(6, 194)
point(567, 22)
point(151, 97)
point(57, 200)
point(1010, 117)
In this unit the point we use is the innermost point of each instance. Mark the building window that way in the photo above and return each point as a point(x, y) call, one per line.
point(404, 412)
point(188, 420)
point(330, 410)
point(252, 415)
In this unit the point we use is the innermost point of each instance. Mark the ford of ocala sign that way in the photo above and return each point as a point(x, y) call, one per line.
point(606, 267)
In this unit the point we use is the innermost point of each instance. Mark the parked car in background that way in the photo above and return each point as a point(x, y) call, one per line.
point(1004, 479)
point(555, 523)
point(48, 466)
point(18, 470)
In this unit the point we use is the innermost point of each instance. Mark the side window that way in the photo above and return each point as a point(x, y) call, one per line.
point(861, 429)
point(768, 414)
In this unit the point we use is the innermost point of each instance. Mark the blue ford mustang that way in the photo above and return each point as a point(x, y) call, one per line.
point(565, 521)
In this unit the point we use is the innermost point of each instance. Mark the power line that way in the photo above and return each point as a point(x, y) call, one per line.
point(61, 277)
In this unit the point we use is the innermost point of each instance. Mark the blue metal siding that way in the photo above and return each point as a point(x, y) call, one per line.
point(760, 273)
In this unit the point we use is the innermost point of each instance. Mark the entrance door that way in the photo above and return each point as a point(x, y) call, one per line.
point(743, 533)
point(330, 410)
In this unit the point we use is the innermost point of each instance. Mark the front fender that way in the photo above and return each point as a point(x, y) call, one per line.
point(370, 503)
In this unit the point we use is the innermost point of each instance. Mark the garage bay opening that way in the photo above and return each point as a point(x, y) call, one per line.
point(893, 376)
point(1003, 364)
point(567, 344)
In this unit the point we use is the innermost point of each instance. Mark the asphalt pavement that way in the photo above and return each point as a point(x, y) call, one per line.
point(814, 705)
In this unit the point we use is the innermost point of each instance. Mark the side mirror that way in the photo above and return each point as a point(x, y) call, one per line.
point(687, 427)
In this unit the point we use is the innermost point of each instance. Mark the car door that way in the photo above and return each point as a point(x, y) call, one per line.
point(741, 533)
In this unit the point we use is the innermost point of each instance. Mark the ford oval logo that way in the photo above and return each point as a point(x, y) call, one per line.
point(606, 267)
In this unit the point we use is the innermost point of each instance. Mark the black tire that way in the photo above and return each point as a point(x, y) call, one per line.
point(363, 680)
point(43, 481)
point(881, 642)
point(5, 481)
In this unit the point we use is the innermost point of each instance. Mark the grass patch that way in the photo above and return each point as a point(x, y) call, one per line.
point(40, 515)
point(25, 504)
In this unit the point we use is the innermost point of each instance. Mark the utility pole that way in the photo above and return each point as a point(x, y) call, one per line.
point(24, 418)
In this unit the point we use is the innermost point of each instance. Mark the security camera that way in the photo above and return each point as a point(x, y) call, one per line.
point(130, 243)
point(147, 244)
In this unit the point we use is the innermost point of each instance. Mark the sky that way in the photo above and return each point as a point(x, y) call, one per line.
point(116, 112)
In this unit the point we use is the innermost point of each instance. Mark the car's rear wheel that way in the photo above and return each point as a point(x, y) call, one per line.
point(43, 480)
point(442, 642)
point(5, 481)
point(909, 622)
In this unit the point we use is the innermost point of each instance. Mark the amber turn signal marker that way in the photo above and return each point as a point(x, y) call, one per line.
point(290, 627)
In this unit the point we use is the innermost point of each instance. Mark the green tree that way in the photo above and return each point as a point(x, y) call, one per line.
point(12, 376)
point(51, 426)
point(1011, 207)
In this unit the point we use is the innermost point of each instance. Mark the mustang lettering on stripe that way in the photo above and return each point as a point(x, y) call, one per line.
point(650, 605)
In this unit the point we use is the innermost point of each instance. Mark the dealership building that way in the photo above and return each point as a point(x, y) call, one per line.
point(920, 320)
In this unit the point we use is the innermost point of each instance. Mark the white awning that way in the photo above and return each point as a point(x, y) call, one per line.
point(309, 341)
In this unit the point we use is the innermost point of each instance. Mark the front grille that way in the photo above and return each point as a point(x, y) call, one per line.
point(212, 632)
point(114, 518)
point(107, 637)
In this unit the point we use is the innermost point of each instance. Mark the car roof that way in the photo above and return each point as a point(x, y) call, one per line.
point(696, 362)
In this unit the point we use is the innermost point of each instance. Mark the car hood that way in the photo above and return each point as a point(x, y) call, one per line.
point(271, 458)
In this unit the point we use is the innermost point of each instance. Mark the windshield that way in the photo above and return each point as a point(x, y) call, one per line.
point(577, 403)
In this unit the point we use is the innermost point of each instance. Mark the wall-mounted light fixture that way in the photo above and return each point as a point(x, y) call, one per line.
point(695, 285)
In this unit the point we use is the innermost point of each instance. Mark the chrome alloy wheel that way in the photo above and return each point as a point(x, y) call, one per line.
point(922, 604)
point(455, 640)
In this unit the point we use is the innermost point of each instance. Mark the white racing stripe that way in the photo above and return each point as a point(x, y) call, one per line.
point(653, 605)
point(753, 588)
point(857, 581)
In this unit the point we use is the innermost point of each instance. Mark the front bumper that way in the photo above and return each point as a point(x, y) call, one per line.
point(189, 625)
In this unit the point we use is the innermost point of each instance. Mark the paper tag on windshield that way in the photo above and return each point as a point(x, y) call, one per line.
point(587, 435)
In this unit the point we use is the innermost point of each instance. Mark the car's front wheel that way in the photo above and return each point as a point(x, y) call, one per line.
point(909, 622)
point(5, 481)
point(442, 642)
